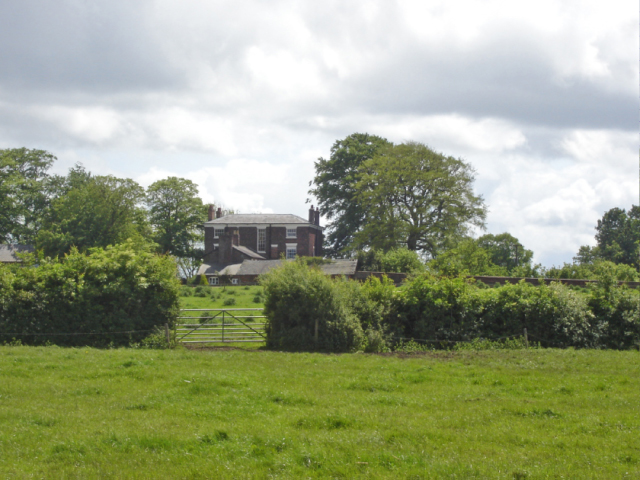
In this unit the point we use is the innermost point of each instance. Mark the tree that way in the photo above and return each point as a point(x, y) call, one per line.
point(502, 250)
point(95, 211)
point(23, 193)
point(618, 236)
point(334, 186)
point(176, 215)
point(412, 196)
point(466, 257)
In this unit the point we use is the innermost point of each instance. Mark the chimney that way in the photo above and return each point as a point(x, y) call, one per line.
point(219, 212)
point(211, 210)
point(312, 216)
point(317, 217)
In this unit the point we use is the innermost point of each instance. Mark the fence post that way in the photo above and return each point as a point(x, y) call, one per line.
point(223, 326)
point(166, 334)
point(315, 332)
point(526, 338)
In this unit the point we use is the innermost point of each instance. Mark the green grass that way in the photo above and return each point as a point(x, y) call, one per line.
point(215, 297)
point(87, 413)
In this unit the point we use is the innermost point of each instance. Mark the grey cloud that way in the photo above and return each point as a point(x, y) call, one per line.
point(506, 76)
point(81, 46)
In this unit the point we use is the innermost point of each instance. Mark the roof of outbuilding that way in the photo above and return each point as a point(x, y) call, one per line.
point(259, 218)
point(248, 252)
point(8, 252)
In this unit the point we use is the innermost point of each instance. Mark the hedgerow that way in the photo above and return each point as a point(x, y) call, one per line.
point(442, 312)
point(89, 298)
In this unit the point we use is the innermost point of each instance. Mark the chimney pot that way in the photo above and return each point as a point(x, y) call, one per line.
point(219, 212)
point(210, 214)
point(317, 217)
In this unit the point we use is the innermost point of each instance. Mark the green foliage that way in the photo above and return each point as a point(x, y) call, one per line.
point(502, 250)
point(177, 216)
point(334, 185)
point(618, 236)
point(413, 196)
point(400, 260)
point(591, 271)
point(467, 257)
point(229, 301)
point(90, 297)
point(617, 310)
point(202, 280)
point(94, 212)
point(24, 193)
point(297, 298)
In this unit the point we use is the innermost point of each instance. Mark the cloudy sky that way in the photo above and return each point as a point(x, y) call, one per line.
point(541, 97)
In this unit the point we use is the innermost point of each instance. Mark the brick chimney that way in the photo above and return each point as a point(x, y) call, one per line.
point(317, 216)
point(211, 210)
point(219, 212)
point(312, 216)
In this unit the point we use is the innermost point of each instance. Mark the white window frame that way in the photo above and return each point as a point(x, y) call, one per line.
point(234, 281)
point(213, 281)
point(217, 232)
point(290, 247)
point(263, 232)
point(294, 230)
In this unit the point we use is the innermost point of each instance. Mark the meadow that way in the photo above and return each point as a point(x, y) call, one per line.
point(221, 413)
point(250, 296)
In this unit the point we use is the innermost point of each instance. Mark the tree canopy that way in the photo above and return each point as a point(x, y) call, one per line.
point(413, 196)
point(334, 186)
point(176, 215)
point(23, 193)
point(618, 236)
point(96, 211)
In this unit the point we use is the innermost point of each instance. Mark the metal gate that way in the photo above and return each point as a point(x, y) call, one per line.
point(221, 325)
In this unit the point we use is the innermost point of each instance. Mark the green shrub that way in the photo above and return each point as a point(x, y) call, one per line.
point(297, 298)
point(257, 299)
point(229, 301)
point(94, 296)
point(553, 315)
point(436, 309)
point(186, 291)
point(616, 309)
point(200, 291)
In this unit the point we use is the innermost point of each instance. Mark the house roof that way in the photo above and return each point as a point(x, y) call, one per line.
point(248, 252)
point(8, 252)
point(259, 267)
point(258, 218)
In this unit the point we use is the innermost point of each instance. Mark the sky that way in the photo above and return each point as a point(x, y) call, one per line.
point(540, 97)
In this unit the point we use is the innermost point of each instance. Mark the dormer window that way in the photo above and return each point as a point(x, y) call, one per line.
point(291, 233)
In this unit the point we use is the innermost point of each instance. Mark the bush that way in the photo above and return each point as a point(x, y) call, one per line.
point(186, 291)
point(297, 298)
point(257, 299)
point(94, 296)
point(200, 291)
point(229, 301)
point(616, 309)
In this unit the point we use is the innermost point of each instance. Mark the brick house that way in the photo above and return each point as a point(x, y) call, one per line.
point(232, 239)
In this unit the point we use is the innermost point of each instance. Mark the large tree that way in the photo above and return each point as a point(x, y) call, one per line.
point(412, 196)
point(176, 215)
point(24, 193)
point(504, 249)
point(93, 211)
point(334, 186)
point(618, 236)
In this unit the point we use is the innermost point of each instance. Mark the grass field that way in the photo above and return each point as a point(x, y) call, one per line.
point(126, 413)
point(215, 297)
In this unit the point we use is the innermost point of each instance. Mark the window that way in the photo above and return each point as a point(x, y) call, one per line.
point(217, 232)
point(291, 250)
point(213, 280)
point(262, 239)
point(291, 232)
point(234, 281)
